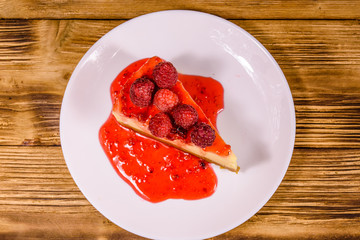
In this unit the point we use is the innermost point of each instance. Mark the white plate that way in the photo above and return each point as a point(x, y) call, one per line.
point(258, 121)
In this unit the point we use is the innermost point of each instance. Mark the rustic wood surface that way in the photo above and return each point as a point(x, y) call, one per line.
point(317, 45)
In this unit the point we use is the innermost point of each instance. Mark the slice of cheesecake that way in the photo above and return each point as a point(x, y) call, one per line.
point(139, 116)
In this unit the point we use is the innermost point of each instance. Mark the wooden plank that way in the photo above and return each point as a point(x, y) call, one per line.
point(232, 9)
point(318, 196)
point(38, 57)
point(36, 62)
point(320, 44)
point(91, 225)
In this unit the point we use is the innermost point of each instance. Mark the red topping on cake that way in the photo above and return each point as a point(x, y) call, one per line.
point(141, 92)
point(185, 115)
point(160, 125)
point(155, 159)
point(165, 75)
point(165, 100)
point(203, 135)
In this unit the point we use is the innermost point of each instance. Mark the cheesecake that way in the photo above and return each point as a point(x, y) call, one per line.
point(153, 102)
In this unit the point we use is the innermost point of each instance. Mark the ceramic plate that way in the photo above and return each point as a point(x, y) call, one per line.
point(258, 121)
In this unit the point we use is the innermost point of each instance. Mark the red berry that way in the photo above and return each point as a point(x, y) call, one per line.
point(141, 92)
point(203, 135)
point(160, 125)
point(165, 75)
point(185, 115)
point(165, 100)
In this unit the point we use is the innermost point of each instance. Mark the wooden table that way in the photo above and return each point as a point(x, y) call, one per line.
point(317, 45)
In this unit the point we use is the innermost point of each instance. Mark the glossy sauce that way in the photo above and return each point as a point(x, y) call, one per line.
point(154, 170)
point(206, 92)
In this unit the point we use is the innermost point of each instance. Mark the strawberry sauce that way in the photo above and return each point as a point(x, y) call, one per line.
point(154, 170)
point(206, 92)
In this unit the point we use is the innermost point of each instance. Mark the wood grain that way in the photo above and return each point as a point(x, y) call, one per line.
point(317, 45)
point(232, 9)
point(320, 191)
point(322, 69)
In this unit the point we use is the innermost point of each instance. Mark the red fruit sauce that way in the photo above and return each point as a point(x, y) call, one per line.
point(206, 92)
point(154, 170)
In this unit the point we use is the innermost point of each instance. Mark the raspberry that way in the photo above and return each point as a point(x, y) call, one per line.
point(202, 135)
point(160, 125)
point(141, 92)
point(185, 115)
point(165, 75)
point(165, 100)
